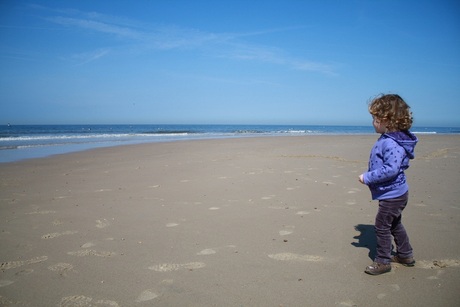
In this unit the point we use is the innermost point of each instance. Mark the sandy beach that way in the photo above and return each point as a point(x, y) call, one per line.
point(274, 221)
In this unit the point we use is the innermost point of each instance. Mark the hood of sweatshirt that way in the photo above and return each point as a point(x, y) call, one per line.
point(405, 139)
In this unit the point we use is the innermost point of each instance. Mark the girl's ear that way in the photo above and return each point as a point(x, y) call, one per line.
point(386, 124)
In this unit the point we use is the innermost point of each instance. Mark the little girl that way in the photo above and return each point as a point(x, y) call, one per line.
point(386, 179)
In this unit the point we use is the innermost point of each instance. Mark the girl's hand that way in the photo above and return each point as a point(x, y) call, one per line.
point(361, 178)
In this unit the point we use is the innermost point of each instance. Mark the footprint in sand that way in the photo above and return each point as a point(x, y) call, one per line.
point(57, 222)
point(348, 303)
point(42, 212)
point(280, 207)
point(150, 294)
point(58, 234)
point(91, 252)
point(102, 223)
point(285, 232)
point(437, 264)
point(24, 272)
point(211, 251)
point(303, 212)
point(4, 283)
point(353, 191)
point(106, 303)
point(61, 268)
point(434, 277)
point(295, 257)
point(16, 264)
point(60, 197)
point(146, 295)
point(208, 251)
point(77, 300)
point(88, 245)
point(81, 300)
point(169, 267)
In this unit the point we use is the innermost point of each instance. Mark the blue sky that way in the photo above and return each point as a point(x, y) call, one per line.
point(226, 62)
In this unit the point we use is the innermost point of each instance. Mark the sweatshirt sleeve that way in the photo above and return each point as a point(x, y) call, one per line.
point(385, 164)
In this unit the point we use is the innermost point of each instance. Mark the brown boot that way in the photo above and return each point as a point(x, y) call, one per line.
point(404, 261)
point(378, 268)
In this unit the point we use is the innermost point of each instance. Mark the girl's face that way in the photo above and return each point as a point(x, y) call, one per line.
point(380, 125)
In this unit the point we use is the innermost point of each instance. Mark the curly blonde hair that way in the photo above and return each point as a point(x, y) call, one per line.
point(393, 109)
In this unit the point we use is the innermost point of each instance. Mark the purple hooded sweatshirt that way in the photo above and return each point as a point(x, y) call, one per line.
point(388, 160)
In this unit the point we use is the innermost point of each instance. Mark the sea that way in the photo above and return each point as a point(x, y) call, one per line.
point(20, 142)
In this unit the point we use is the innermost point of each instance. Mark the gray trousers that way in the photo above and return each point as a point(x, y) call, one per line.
point(387, 225)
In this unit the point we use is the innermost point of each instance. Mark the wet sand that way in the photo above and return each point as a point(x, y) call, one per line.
point(275, 221)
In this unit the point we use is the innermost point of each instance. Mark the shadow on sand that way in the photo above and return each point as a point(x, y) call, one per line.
point(366, 239)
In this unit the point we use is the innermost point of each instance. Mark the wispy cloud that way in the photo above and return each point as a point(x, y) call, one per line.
point(152, 37)
point(87, 57)
point(248, 52)
point(96, 26)
point(277, 56)
point(313, 66)
point(173, 37)
point(160, 37)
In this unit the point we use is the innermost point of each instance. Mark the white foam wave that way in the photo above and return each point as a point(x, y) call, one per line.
point(86, 136)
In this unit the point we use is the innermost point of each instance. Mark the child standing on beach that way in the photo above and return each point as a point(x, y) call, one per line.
point(386, 180)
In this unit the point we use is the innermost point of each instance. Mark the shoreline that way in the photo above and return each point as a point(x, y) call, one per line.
point(263, 221)
point(27, 153)
point(56, 150)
